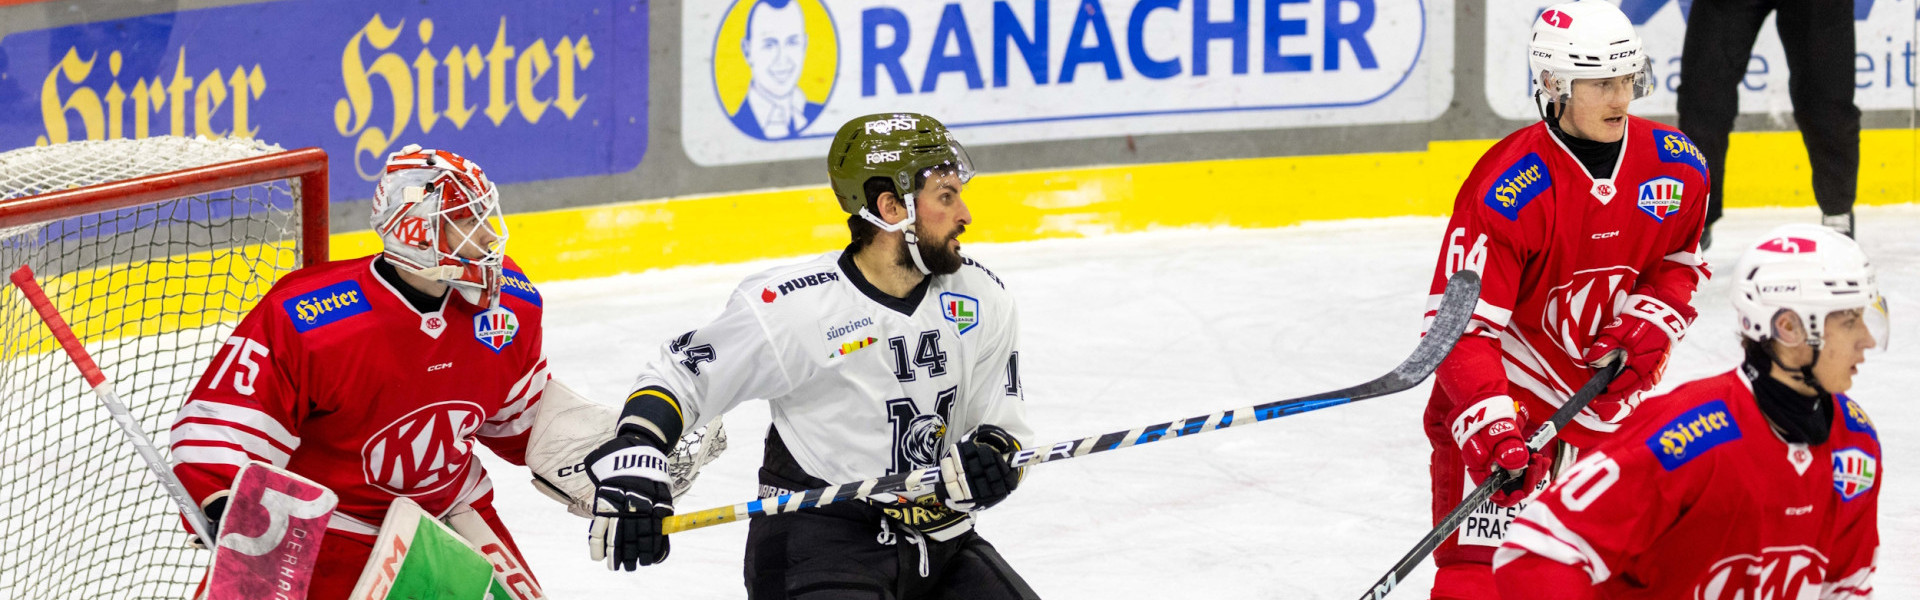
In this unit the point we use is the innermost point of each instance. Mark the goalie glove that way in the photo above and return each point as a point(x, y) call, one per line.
point(631, 501)
point(973, 473)
point(567, 427)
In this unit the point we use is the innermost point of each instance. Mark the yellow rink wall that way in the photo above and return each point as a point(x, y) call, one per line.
point(1764, 169)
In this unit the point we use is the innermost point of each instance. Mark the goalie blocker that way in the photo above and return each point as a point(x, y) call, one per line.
point(569, 426)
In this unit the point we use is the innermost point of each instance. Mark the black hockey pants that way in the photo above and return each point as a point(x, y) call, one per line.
point(1818, 38)
point(851, 550)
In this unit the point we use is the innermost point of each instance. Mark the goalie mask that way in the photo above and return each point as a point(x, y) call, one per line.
point(904, 148)
point(1587, 39)
point(439, 217)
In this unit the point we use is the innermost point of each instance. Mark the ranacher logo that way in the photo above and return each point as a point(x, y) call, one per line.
point(1693, 433)
point(326, 305)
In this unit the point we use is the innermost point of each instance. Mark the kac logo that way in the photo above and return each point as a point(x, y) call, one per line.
point(1787, 572)
point(775, 63)
point(1660, 197)
point(424, 451)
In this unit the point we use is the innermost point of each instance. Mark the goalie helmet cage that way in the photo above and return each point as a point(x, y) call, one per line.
point(153, 249)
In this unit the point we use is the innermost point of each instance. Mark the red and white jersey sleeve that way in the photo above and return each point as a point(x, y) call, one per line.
point(245, 407)
point(1702, 500)
point(1489, 233)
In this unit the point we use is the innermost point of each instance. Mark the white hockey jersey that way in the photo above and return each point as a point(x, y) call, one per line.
point(860, 384)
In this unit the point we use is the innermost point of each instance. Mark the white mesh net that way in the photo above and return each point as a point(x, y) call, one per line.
point(152, 291)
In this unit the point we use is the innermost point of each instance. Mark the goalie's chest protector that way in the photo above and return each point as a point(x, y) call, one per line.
point(396, 398)
point(881, 380)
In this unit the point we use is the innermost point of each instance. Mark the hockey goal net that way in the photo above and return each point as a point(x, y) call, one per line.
point(153, 249)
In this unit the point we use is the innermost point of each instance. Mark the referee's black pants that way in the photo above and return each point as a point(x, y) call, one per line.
point(1818, 38)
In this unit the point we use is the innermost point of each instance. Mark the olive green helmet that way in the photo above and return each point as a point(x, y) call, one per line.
point(897, 146)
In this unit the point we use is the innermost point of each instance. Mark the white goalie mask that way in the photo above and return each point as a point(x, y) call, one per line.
point(439, 217)
point(1587, 39)
point(1808, 271)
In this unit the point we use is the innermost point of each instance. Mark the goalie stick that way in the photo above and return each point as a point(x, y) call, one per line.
point(23, 279)
point(1450, 321)
point(1499, 478)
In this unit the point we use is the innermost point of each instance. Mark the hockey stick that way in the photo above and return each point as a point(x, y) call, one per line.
point(1450, 321)
point(23, 279)
point(1499, 479)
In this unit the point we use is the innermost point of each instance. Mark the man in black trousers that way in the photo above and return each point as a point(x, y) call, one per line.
point(1818, 38)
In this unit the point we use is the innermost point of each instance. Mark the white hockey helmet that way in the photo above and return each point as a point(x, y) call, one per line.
point(1586, 39)
point(430, 206)
point(1810, 271)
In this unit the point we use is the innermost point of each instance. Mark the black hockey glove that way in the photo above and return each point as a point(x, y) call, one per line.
point(631, 501)
point(213, 509)
point(973, 474)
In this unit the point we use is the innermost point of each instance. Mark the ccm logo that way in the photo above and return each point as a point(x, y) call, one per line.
point(1620, 55)
point(573, 469)
point(1602, 236)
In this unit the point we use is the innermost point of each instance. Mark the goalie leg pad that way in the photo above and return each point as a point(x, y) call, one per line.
point(483, 530)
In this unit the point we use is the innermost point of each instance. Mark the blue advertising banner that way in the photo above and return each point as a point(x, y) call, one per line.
point(774, 79)
point(530, 91)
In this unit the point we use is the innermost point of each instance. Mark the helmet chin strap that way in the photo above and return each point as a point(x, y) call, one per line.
point(905, 227)
point(450, 276)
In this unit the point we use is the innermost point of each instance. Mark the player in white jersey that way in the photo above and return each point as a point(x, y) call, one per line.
point(895, 354)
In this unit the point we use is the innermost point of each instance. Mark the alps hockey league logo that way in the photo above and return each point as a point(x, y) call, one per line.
point(1660, 197)
point(1854, 472)
point(962, 310)
point(495, 327)
point(1520, 184)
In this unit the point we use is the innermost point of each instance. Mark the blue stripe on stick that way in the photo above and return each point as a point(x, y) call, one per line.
point(1152, 434)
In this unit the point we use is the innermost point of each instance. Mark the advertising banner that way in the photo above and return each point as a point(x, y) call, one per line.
point(1883, 62)
point(530, 91)
point(766, 80)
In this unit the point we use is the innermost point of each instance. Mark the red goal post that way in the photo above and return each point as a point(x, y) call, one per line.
point(154, 249)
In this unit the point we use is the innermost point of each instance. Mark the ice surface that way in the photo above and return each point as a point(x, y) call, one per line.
point(1128, 330)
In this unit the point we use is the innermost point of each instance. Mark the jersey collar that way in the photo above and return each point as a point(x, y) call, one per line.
point(903, 306)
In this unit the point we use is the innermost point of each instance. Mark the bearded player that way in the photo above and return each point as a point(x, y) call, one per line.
point(368, 377)
point(1584, 228)
point(1756, 483)
point(895, 354)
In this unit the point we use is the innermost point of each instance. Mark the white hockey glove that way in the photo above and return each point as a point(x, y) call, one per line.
point(973, 474)
point(632, 499)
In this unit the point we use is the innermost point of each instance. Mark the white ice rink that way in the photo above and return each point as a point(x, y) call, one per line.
point(1128, 330)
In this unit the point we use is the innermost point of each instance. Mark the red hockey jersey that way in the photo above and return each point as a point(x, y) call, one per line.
point(336, 377)
point(1558, 252)
point(1699, 499)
